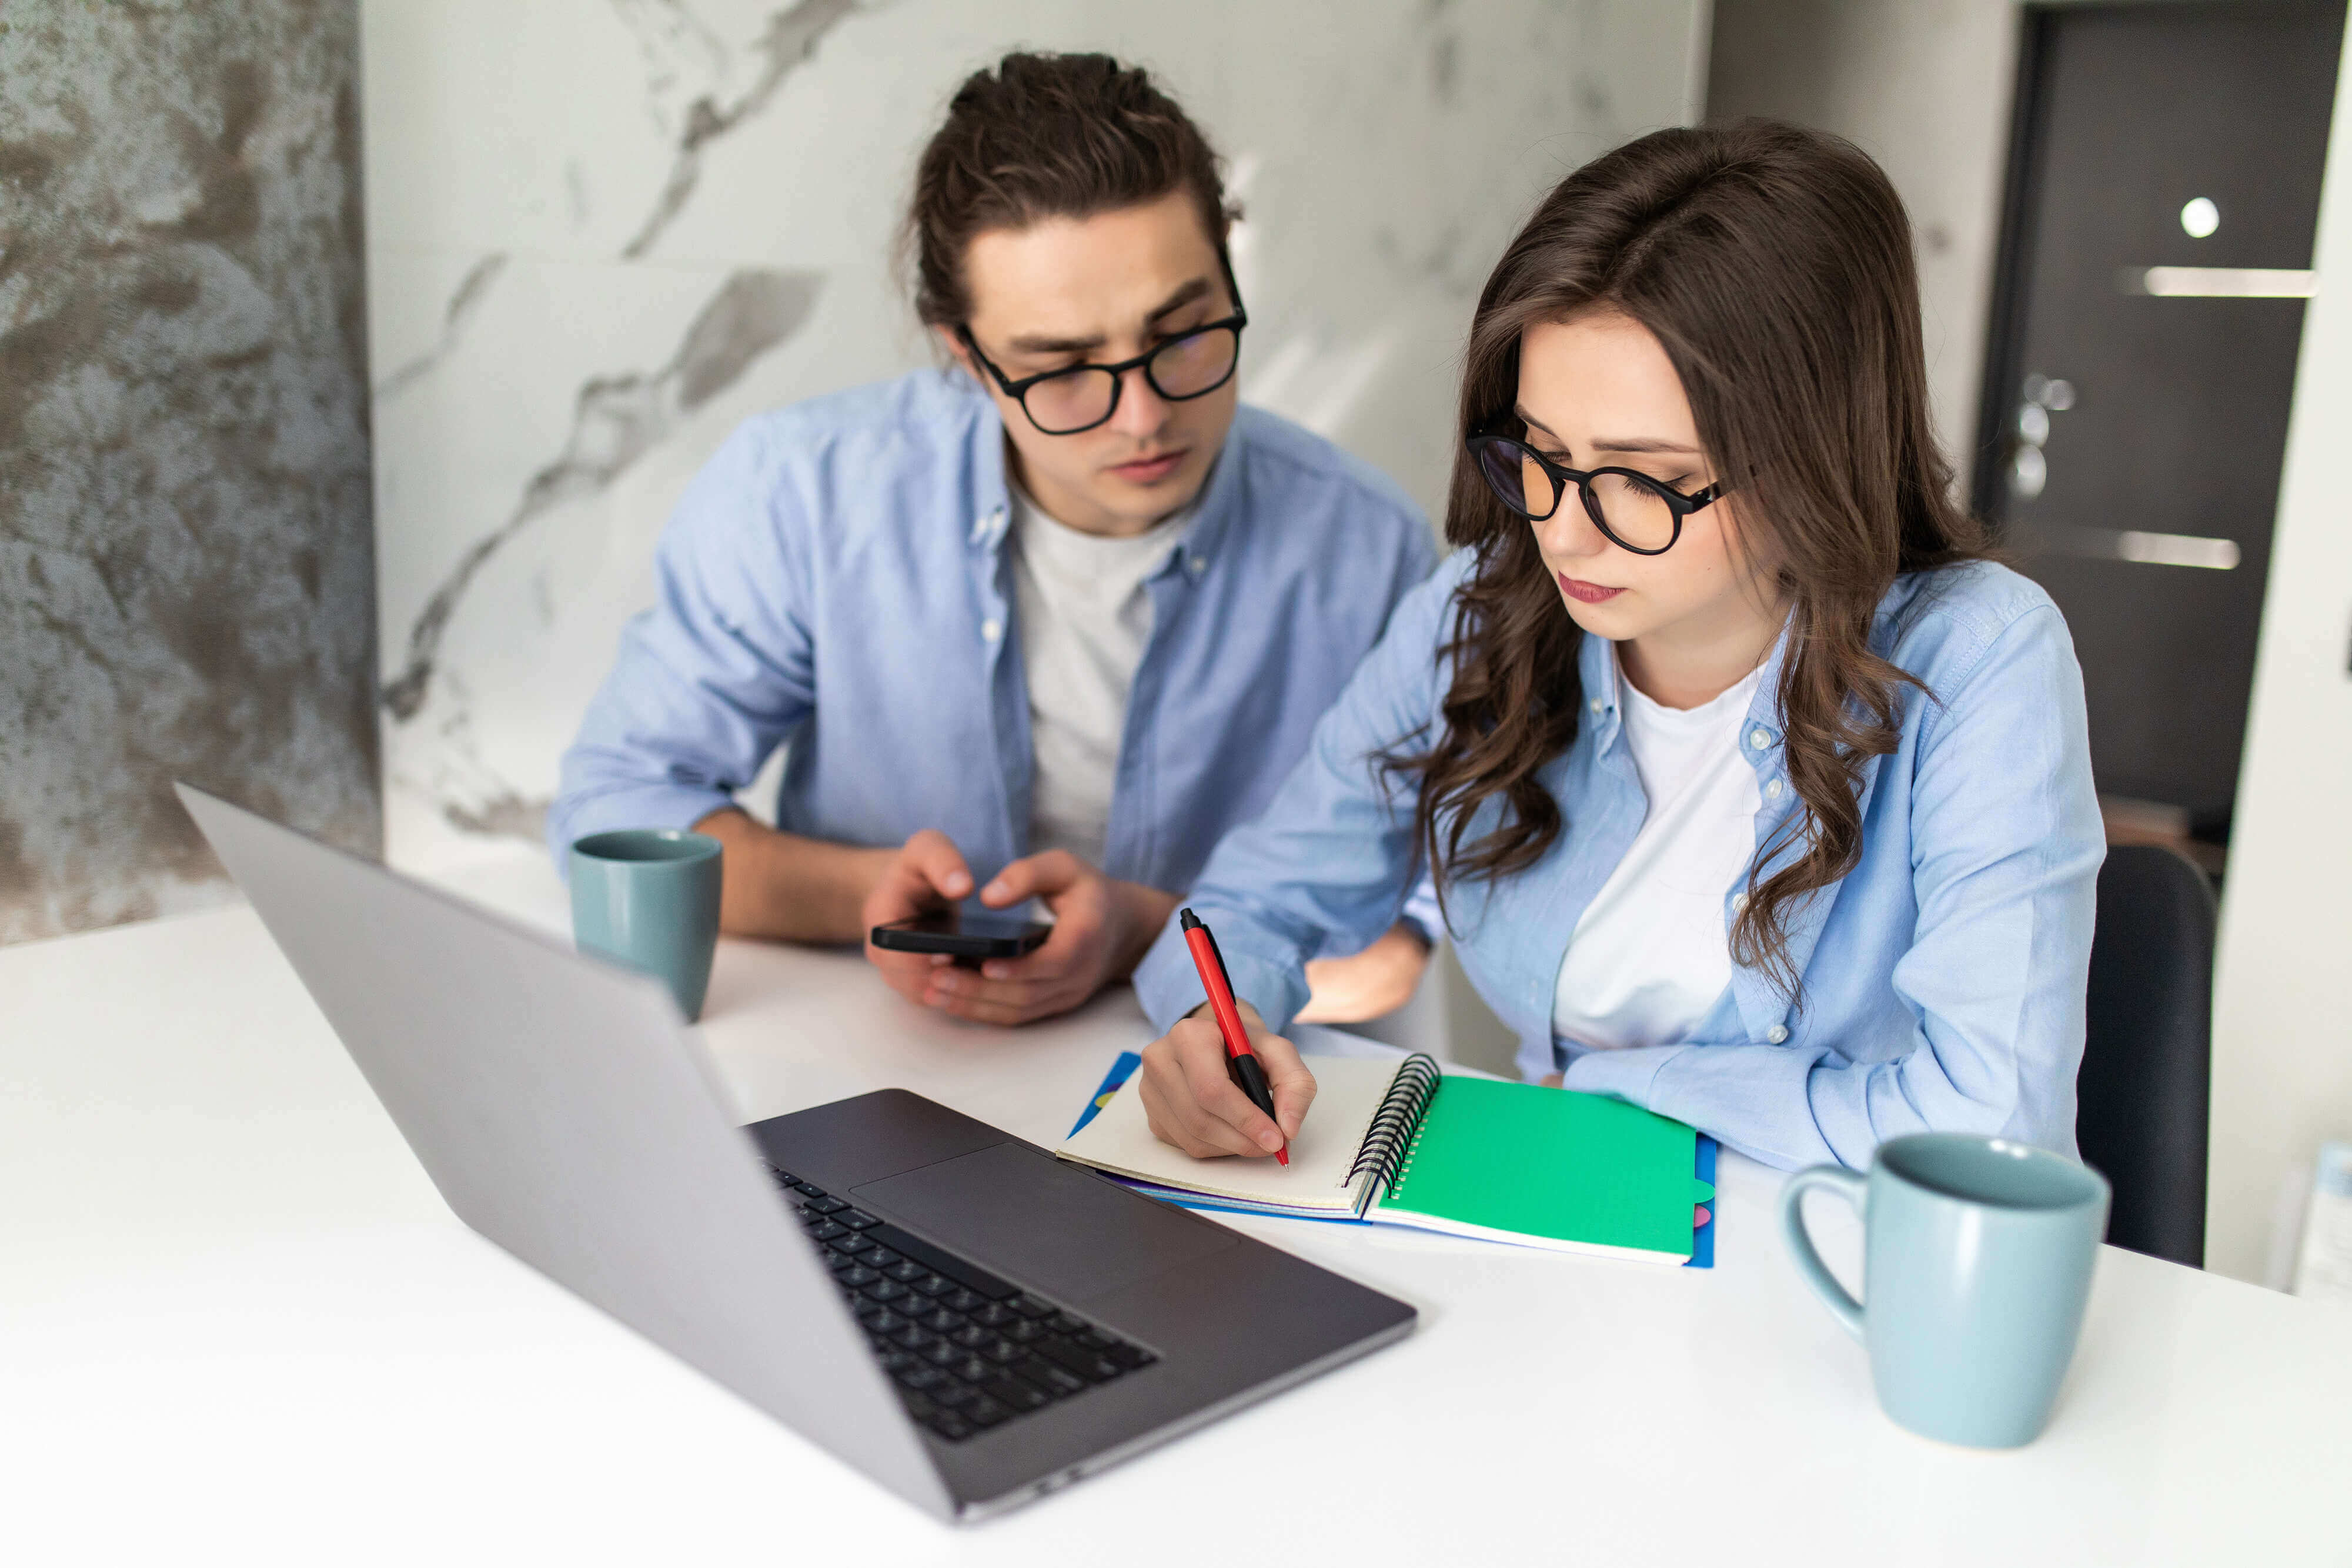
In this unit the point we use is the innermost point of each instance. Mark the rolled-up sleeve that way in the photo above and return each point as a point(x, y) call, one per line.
point(2006, 843)
point(712, 678)
point(1423, 912)
point(1330, 865)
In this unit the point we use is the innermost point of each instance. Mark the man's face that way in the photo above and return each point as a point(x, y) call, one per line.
point(1098, 290)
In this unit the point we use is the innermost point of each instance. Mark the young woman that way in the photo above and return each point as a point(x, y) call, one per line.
point(1756, 796)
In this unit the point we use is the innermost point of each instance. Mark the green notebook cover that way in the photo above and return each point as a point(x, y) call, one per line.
point(1545, 1162)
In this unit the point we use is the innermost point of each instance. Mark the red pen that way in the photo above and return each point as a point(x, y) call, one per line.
point(1241, 1062)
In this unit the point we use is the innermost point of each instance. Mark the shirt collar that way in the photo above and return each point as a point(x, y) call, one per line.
point(1596, 672)
point(991, 496)
point(1214, 508)
point(1596, 669)
point(1764, 709)
point(1166, 534)
point(992, 521)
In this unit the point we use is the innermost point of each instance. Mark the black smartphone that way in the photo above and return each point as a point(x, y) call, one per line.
point(962, 934)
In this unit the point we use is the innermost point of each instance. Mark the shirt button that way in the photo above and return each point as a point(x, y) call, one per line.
point(1738, 904)
point(1200, 563)
point(1759, 739)
point(989, 631)
point(1596, 704)
point(1772, 789)
point(1776, 1034)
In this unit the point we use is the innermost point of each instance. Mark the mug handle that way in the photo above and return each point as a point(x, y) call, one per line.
point(1849, 1184)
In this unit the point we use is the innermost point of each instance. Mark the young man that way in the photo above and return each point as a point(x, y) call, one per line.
point(1043, 625)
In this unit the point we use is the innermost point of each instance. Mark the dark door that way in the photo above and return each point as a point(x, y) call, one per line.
point(2163, 191)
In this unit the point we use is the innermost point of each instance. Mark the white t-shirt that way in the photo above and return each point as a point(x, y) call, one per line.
point(1651, 955)
point(1084, 617)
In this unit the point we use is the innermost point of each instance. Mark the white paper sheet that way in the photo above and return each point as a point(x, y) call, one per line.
point(1347, 1094)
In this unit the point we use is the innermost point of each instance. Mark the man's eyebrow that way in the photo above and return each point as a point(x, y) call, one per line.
point(1185, 294)
point(1030, 344)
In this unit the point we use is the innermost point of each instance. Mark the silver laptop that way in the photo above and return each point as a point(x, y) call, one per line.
point(964, 1318)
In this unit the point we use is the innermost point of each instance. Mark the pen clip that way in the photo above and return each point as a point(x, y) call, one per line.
point(1217, 953)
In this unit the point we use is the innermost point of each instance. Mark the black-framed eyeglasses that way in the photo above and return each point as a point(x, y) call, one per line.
point(1079, 397)
point(1636, 512)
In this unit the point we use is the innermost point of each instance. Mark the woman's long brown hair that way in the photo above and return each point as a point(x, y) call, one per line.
point(1774, 265)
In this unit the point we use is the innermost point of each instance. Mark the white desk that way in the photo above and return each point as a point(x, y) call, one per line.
point(236, 1322)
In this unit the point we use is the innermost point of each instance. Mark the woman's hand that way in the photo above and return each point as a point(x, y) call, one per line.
point(1193, 1104)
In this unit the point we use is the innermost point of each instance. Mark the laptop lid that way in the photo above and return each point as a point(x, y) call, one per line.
point(565, 1112)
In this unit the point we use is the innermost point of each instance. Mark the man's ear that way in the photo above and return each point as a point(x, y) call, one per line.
point(952, 342)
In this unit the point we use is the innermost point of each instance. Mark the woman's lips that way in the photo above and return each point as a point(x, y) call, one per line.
point(1585, 592)
point(1147, 470)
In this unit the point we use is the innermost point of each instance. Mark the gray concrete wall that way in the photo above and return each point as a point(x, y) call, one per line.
point(1924, 87)
point(186, 575)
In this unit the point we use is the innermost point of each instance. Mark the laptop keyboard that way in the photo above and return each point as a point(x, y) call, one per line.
point(968, 1350)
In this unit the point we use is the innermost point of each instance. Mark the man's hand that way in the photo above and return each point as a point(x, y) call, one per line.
point(1101, 930)
point(927, 873)
point(1193, 1104)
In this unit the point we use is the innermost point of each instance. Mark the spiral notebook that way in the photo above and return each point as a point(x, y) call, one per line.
point(1401, 1142)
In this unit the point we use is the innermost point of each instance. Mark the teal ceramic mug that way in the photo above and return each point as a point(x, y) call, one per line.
point(649, 898)
point(1977, 1261)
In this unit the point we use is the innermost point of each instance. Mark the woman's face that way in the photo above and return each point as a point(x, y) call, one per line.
point(1599, 391)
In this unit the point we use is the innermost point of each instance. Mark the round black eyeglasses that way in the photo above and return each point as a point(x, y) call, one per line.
point(1634, 511)
point(1079, 397)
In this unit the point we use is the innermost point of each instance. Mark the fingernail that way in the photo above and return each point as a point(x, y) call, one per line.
point(958, 884)
point(996, 890)
point(993, 971)
point(1269, 1142)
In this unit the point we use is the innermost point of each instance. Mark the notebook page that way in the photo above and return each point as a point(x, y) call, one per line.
point(1347, 1092)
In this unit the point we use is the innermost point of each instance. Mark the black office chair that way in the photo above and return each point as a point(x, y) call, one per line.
point(2148, 1057)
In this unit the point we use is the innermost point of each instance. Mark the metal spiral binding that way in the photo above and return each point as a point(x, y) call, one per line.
point(1404, 1166)
point(1388, 1140)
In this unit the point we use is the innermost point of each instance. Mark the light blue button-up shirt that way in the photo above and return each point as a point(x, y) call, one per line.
point(836, 578)
point(1942, 976)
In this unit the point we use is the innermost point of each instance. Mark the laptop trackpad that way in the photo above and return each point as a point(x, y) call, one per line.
point(1063, 1233)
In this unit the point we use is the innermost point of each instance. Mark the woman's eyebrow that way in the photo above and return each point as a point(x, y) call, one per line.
point(1643, 444)
point(1519, 412)
point(1612, 443)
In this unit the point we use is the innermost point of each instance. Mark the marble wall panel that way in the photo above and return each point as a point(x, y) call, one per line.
point(602, 232)
point(186, 579)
